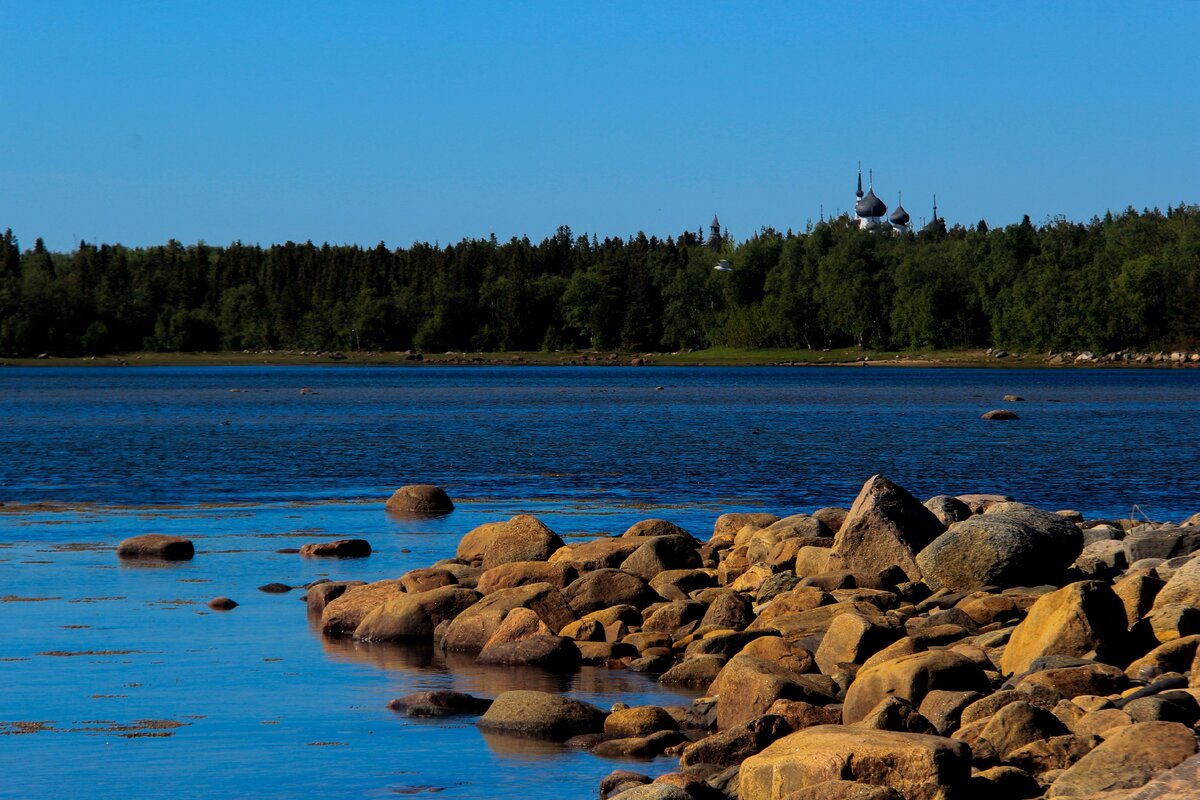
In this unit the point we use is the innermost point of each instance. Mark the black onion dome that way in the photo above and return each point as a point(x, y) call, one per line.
point(870, 206)
point(900, 216)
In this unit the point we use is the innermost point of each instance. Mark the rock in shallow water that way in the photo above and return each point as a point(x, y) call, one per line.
point(341, 548)
point(156, 546)
point(539, 714)
point(420, 498)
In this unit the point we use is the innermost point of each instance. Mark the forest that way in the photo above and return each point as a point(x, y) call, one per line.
point(1125, 280)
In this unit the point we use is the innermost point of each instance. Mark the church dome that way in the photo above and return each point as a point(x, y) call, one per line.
point(900, 216)
point(870, 206)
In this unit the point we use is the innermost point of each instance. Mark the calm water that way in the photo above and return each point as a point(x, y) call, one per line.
point(262, 706)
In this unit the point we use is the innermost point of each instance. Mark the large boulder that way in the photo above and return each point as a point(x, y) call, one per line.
point(1081, 619)
point(414, 617)
point(852, 638)
point(886, 526)
point(1008, 545)
point(604, 553)
point(522, 538)
point(1128, 758)
point(1182, 588)
point(474, 543)
point(439, 704)
point(524, 640)
point(156, 546)
point(917, 766)
point(342, 615)
point(730, 524)
point(420, 498)
point(322, 594)
point(604, 588)
point(660, 553)
point(540, 714)
point(471, 629)
point(910, 678)
point(732, 747)
point(654, 527)
point(523, 573)
point(747, 686)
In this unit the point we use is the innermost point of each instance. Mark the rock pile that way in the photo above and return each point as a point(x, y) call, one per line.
point(961, 647)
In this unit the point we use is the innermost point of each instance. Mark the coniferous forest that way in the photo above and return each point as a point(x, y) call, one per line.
point(1126, 280)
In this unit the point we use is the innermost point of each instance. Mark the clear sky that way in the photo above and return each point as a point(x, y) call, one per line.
point(361, 122)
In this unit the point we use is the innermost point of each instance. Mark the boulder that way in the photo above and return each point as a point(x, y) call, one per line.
point(342, 615)
point(523, 573)
point(747, 686)
point(472, 545)
point(1084, 679)
point(420, 498)
point(1127, 759)
point(678, 584)
point(660, 553)
point(1055, 753)
point(886, 526)
point(603, 588)
point(730, 524)
point(948, 510)
point(540, 714)
point(1077, 620)
point(911, 677)
point(524, 640)
point(1137, 592)
point(439, 704)
point(471, 629)
point(731, 747)
point(413, 617)
point(156, 546)
point(648, 746)
point(852, 638)
point(917, 766)
point(222, 604)
point(621, 780)
point(978, 503)
point(1183, 587)
point(1009, 545)
point(321, 595)
point(1162, 542)
point(420, 580)
point(606, 553)
point(1017, 724)
point(639, 721)
point(944, 708)
point(729, 609)
point(999, 414)
point(522, 538)
point(801, 715)
point(654, 527)
point(844, 790)
point(894, 714)
point(698, 672)
point(341, 548)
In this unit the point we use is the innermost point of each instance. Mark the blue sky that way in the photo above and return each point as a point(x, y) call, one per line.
point(362, 122)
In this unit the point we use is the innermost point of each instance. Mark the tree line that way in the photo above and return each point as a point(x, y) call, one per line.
point(1125, 280)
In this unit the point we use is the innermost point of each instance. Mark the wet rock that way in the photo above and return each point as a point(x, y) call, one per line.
point(471, 629)
point(524, 640)
point(999, 414)
point(603, 588)
point(1009, 545)
point(522, 538)
point(275, 588)
point(222, 604)
point(156, 546)
point(911, 677)
point(540, 714)
point(731, 747)
point(1077, 620)
point(420, 498)
point(439, 704)
point(886, 526)
point(1129, 758)
point(648, 746)
point(916, 766)
point(414, 617)
point(341, 548)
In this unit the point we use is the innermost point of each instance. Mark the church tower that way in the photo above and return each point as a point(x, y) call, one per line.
point(714, 234)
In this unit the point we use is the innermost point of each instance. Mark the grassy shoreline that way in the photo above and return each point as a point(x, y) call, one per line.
point(714, 357)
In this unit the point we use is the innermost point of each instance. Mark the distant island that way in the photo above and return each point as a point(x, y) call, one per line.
point(1124, 282)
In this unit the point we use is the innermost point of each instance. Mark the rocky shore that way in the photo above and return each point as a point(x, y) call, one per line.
point(961, 647)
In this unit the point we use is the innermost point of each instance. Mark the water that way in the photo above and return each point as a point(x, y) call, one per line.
point(109, 657)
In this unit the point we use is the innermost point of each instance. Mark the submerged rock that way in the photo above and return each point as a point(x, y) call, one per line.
point(341, 548)
point(420, 498)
